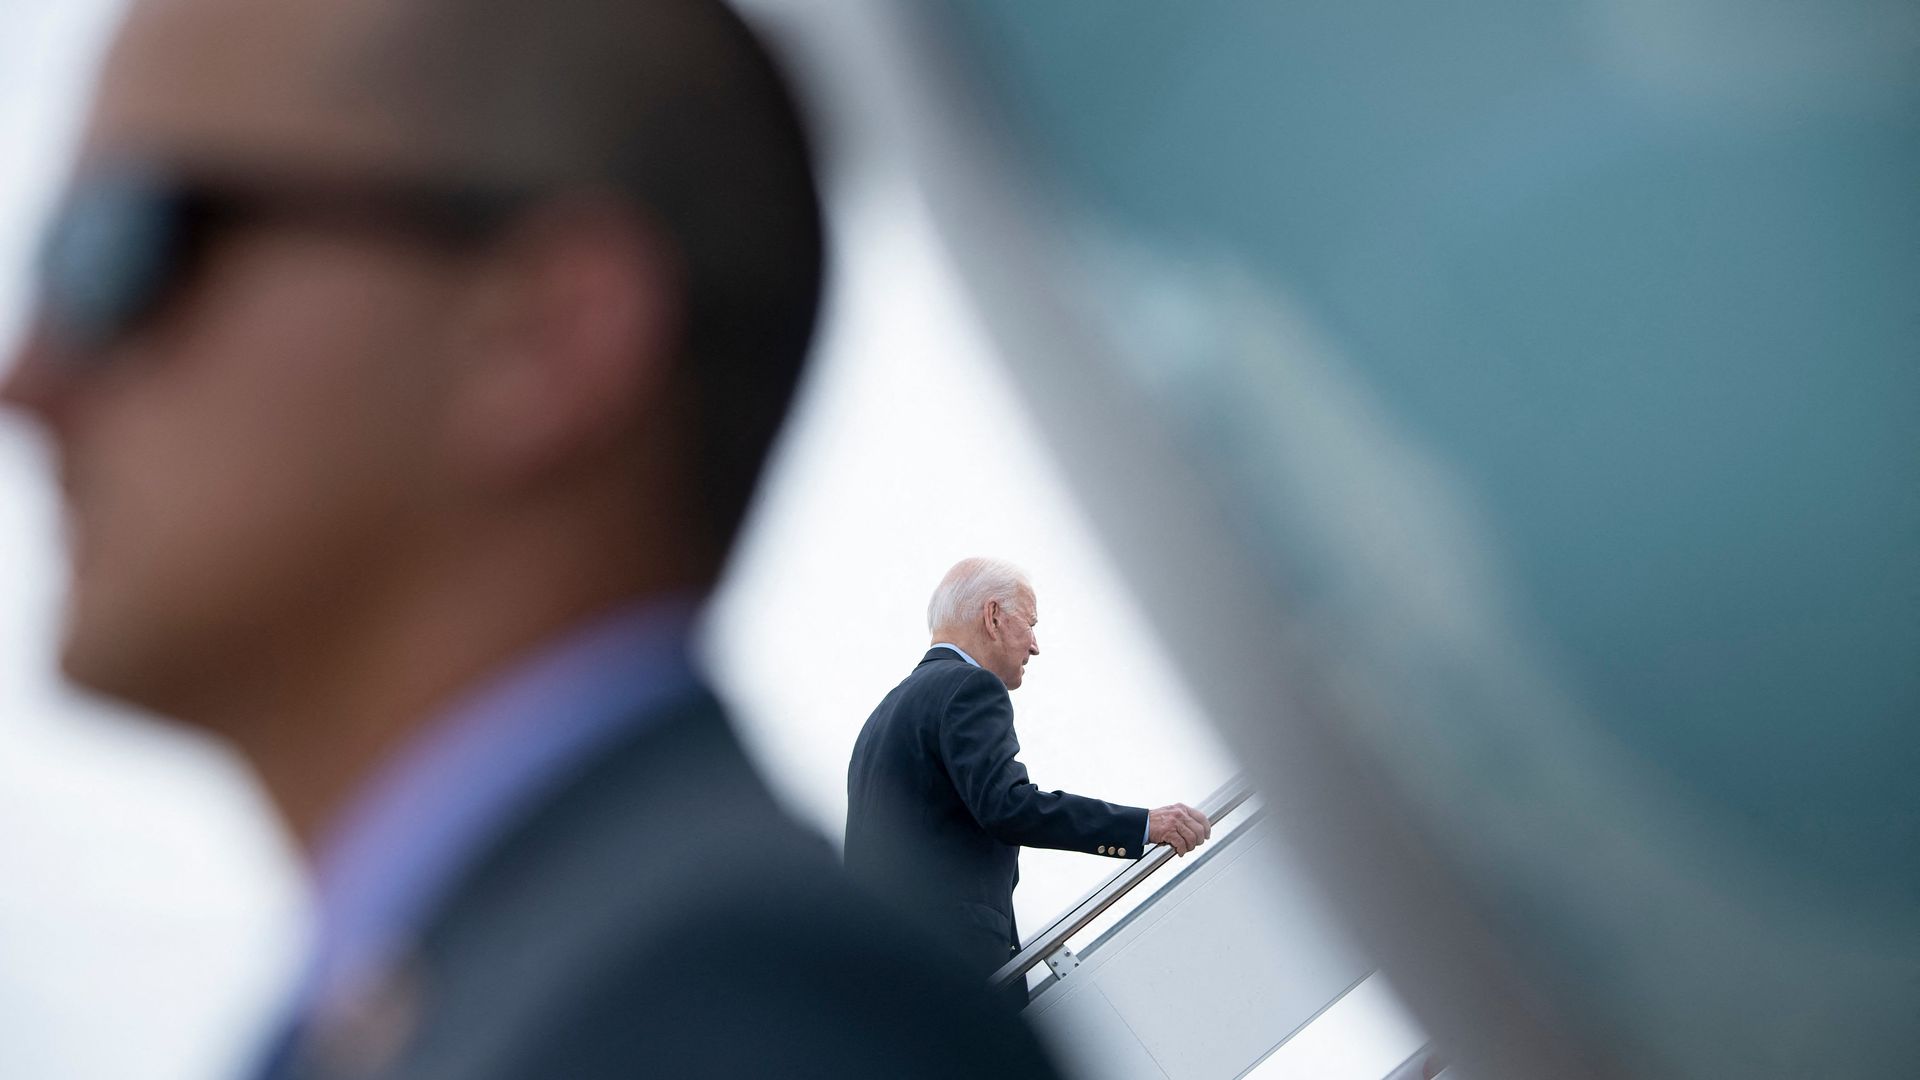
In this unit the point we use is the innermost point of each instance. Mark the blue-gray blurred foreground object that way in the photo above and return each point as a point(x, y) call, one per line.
point(1512, 409)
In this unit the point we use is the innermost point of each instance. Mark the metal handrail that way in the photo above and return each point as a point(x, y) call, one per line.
point(1215, 806)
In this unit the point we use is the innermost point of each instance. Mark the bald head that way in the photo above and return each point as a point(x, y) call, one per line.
point(220, 79)
point(675, 107)
point(988, 607)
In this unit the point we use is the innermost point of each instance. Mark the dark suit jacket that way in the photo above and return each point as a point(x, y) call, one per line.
point(660, 917)
point(938, 806)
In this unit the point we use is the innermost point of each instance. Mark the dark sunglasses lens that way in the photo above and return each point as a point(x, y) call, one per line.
point(109, 255)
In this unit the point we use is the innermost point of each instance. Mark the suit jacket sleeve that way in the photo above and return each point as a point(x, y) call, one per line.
point(981, 752)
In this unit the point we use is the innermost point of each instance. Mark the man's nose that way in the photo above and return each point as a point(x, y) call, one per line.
point(1033, 647)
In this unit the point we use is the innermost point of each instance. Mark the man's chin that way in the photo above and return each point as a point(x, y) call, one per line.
point(112, 670)
point(87, 669)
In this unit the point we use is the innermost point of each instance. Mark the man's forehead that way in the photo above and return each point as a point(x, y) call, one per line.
point(240, 78)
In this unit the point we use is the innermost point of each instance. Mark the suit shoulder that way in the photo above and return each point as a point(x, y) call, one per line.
point(979, 682)
point(767, 962)
point(962, 676)
point(938, 690)
point(816, 980)
point(933, 683)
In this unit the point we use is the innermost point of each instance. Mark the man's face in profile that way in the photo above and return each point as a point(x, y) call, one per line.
point(1020, 639)
point(240, 462)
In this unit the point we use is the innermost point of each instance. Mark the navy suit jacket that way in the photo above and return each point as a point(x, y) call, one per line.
point(939, 806)
point(658, 915)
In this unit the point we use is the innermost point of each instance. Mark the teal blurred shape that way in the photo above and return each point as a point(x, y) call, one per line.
point(1645, 279)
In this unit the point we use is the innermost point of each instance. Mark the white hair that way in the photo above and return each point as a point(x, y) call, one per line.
point(970, 584)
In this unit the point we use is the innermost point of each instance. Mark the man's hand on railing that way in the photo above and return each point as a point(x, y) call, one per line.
point(1179, 826)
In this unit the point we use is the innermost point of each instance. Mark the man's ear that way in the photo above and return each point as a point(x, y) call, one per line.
point(991, 614)
point(574, 326)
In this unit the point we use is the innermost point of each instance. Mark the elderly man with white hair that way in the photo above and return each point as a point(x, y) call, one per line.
point(938, 803)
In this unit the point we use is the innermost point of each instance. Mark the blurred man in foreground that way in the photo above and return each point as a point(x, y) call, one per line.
point(409, 368)
point(938, 803)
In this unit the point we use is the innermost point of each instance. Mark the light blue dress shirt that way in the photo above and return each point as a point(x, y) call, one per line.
point(387, 861)
point(955, 648)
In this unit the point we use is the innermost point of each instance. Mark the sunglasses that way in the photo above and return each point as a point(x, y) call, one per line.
point(126, 239)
